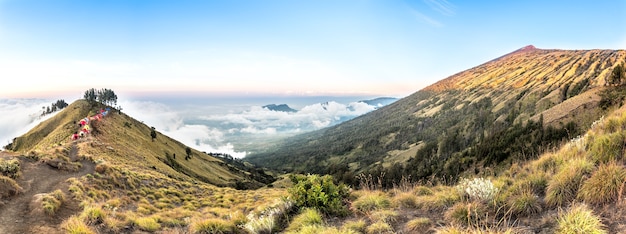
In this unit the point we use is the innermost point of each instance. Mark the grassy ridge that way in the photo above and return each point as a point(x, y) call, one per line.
point(506, 110)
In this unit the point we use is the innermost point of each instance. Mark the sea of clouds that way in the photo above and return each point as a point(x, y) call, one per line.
point(206, 127)
point(17, 116)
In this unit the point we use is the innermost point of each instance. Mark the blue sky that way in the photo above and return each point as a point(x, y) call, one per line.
point(236, 47)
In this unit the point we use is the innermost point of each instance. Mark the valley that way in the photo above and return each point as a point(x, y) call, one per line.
point(531, 142)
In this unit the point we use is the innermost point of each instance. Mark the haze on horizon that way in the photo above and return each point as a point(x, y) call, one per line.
point(300, 48)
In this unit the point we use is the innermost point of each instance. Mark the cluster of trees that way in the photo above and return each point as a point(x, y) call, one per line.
point(104, 96)
point(55, 106)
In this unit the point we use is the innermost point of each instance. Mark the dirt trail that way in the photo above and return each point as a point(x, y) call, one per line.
point(17, 217)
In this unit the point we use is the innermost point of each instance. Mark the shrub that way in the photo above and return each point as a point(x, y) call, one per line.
point(419, 225)
point(308, 217)
point(10, 168)
point(214, 225)
point(579, 219)
point(319, 192)
point(74, 225)
point(371, 201)
point(479, 189)
point(563, 187)
point(604, 185)
point(379, 227)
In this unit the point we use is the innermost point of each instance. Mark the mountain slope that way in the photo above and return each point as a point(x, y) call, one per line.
point(510, 108)
point(122, 140)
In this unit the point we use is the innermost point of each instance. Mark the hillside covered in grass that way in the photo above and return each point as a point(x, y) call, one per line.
point(120, 178)
point(575, 188)
point(121, 140)
point(509, 109)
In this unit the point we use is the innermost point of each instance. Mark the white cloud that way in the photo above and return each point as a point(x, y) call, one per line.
point(442, 6)
point(210, 131)
point(170, 123)
point(17, 116)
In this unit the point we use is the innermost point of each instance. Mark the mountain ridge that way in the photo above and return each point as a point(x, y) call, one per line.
point(435, 129)
point(121, 138)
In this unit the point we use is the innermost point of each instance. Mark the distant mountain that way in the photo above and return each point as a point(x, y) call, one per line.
point(280, 107)
point(508, 109)
point(379, 102)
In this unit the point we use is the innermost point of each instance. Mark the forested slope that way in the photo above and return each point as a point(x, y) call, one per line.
point(511, 108)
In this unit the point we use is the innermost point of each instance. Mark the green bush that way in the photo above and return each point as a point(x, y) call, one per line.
point(319, 192)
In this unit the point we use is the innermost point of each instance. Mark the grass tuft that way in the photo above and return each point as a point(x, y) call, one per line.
point(563, 187)
point(213, 225)
point(8, 187)
point(579, 219)
point(406, 200)
point(356, 226)
point(608, 147)
point(379, 227)
point(604, 185)
point(524, 204)
point(419, 225)
point(308, 217)
point(466, 213)
point(74, 225)
point(371, 201)
point(148, 224)
point(52, 202)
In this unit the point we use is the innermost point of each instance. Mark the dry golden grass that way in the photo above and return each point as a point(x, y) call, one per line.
point(563, 187)
point(604, 185)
